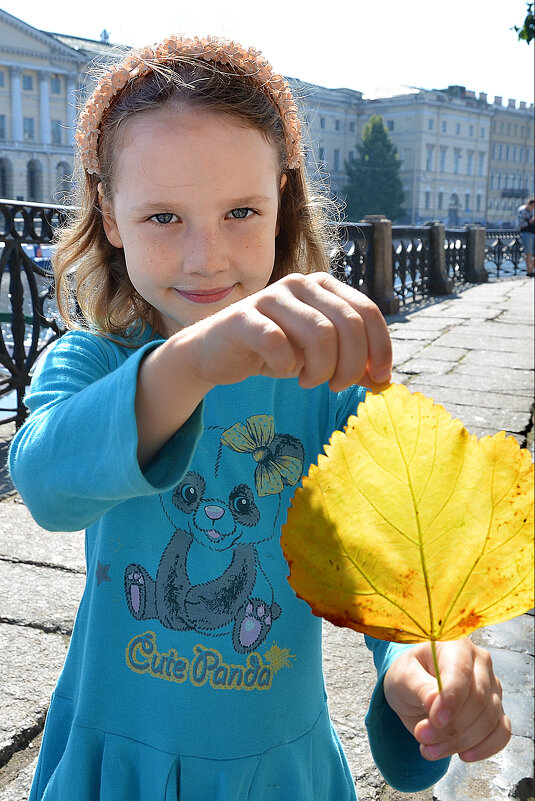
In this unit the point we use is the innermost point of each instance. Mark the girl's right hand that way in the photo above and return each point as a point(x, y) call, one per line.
point(310, 327)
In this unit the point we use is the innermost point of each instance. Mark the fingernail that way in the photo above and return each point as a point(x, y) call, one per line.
point(443, 717)
point(383, 374)
point(433, 751)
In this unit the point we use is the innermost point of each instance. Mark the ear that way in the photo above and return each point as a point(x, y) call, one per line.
point(284, 181)
point(108, 220)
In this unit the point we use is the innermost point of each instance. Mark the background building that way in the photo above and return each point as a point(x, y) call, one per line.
point(463, 159)
point(41, 77)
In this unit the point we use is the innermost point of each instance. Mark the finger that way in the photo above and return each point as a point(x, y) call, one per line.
point(379, 368)
point(337, 341)
point(496, 740)
point(456, 665)
point(264, 337)
point(308, 320)
point(486, 736)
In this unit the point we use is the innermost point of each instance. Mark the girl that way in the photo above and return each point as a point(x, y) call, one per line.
point(214, 359)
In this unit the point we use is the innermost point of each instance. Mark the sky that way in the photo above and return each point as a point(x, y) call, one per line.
point(366, 45)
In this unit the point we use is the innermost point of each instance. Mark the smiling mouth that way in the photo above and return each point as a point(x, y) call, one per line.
point(205, 295)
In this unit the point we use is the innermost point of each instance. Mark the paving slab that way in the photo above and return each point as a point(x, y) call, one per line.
point(471, 397)
point(51, 596)
point(22, 540)
point(491, 419)
point(488, 358)
point(517, 382)
point(462, 337)
point(443, 352)
point(30, 665)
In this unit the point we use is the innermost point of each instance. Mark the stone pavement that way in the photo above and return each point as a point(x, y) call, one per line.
point(472, 352)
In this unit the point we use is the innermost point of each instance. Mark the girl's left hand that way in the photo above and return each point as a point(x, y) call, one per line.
point(466, 718)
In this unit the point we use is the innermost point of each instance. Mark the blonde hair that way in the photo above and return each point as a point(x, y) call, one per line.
point(92, 284)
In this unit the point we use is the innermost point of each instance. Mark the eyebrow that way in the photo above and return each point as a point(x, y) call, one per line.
point(232, 203)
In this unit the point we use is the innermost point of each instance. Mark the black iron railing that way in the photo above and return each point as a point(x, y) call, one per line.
point(410, 262)
point(425, 260)
point(503, 252)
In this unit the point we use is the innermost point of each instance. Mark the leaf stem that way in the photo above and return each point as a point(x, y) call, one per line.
point(435, 663)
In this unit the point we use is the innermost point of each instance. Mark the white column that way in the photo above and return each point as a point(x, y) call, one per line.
point(16, 104)
point(44, 108)
point(71, 108)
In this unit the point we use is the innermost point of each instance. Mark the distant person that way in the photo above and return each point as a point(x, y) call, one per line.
point(526, 223)
point(215, 357)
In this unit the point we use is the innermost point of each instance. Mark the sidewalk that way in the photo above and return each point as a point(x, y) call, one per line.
point(473, 353)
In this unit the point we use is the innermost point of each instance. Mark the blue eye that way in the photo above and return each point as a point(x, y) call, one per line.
point(164, 218)
point(241, 214)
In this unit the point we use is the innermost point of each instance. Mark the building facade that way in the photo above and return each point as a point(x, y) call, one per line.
point(463, 159)
point(41, 79)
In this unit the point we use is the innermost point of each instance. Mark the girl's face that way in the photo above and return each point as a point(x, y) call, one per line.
point(194, 205)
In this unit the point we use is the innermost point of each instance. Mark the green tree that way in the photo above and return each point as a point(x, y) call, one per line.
point(527, 31)
point(374, 184)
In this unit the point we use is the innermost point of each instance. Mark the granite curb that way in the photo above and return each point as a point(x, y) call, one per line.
point(472, 352)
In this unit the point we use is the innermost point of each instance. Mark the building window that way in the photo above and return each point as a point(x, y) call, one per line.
point(507, 152)
point(2, 78)
point(430, 124)
point(351, 155)
point(521, 153)
point(500, 152)
point(352, 127)
point(427, 199)
point(467, 201)
point(480, 164)
point(28, 129)
point(458, 128)
point(498, 180)
point(429, 158)
point(440, 200)
point(471, 130)
point(444, 126)
point(390, 125)
point(443, 159)
point(2, 126)
point(55, 85)
point(321, 154)
point(336, 159)
point(482, 132)
point(322, 122)
point(337, 125)
point(56, 129)
point(27, 82)
point(514, 153)
point(469, 162)
point(457, 161)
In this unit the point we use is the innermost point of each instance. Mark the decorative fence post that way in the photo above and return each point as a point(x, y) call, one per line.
point(439, 281)
point(475, 254)
point(379, 277)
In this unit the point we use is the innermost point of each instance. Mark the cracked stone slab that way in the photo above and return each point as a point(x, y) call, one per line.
point(492, 358)
point(483, 340)
point(51, 596)
point(513, 635)
point(490, 780)
point(345, 657)
point(517, 382)
point(22, 540)
point(19, 789)
point(473, 397)
point(31, 663)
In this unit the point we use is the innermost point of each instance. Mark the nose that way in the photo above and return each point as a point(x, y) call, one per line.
point(214, 512)
point(204, 252)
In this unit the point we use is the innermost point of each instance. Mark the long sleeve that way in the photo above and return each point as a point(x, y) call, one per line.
point(395, 751)
point(76, 456)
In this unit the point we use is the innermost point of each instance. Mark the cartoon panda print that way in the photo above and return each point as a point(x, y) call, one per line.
point(210, 578)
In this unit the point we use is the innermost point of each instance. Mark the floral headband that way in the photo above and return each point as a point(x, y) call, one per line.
point(250, 63)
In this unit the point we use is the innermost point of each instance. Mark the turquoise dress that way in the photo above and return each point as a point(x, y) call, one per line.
point(193, 670)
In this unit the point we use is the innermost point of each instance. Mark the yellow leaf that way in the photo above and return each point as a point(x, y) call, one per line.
point(412, 529)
